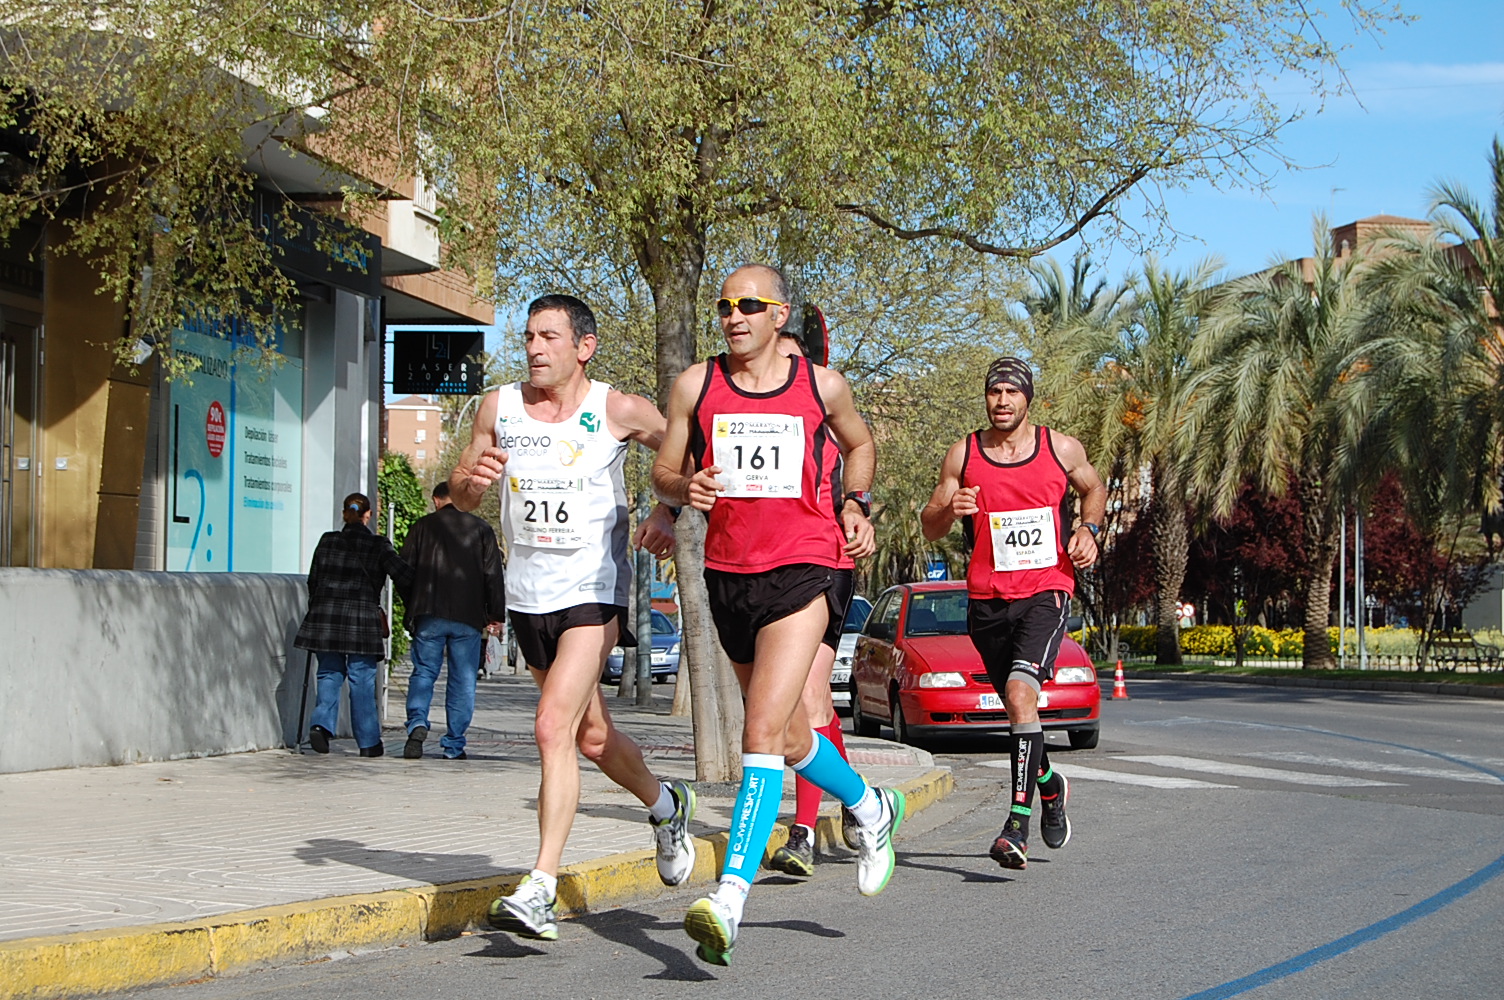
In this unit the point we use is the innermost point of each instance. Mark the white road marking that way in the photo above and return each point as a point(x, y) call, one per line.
point(1074, 771)
point(1249, 771)
point(1443, 774)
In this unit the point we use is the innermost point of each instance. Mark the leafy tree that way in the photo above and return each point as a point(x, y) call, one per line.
point(1259, 404)
point(400, 499)
point(129, 126)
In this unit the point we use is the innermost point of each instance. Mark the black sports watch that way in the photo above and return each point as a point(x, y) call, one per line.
point(863, 499)
point(1095, 529)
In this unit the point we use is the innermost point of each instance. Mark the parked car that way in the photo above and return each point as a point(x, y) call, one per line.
point(916, 670)
point(665, 652)
point(840, 673)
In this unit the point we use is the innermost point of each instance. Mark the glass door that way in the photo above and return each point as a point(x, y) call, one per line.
point(18, 437)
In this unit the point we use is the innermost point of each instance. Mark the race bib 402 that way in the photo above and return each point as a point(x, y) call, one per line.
point(1023, 539)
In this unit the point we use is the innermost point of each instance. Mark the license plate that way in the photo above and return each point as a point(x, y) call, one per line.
point(840, 676)
point(990, 700)
point(659, 659)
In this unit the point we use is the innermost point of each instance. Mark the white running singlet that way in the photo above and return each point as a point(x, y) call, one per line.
point(563, 506)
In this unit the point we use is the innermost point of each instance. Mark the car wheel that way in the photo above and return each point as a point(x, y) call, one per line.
point(1084, 739)
point(860, 724)
point(901, 731)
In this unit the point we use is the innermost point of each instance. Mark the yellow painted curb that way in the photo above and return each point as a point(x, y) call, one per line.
point(102, 961)
point(93, 962)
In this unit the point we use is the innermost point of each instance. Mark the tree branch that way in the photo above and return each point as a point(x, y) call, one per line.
point(1098, 208)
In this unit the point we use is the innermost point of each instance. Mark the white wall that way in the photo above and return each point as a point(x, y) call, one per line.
point(114, 667)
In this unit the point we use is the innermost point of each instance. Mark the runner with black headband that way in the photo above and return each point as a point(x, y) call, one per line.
point(1007, 483)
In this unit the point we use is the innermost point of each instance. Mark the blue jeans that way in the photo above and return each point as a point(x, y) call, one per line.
point(360, 668)
point(431, 636)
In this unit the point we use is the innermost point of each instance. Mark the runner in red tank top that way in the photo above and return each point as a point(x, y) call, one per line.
point(745, 440)
point(1008, 484)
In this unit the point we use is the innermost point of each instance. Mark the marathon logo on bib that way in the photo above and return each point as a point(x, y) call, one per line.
point(1023, 539)
point(759, 454)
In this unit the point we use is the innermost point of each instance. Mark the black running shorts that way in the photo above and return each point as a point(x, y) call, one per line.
point(839, 595)
point(1019, 638)
point(538, 635)
point(742, 603)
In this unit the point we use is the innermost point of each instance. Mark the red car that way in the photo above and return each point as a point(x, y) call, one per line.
point(916, 670)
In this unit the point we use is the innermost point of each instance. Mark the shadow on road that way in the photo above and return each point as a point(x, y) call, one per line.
point(906, 860)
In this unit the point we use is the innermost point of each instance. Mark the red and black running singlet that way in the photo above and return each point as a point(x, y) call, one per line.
point(1019, 542)
point(772, 448)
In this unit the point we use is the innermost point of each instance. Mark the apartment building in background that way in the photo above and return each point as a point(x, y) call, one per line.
point(413, 427)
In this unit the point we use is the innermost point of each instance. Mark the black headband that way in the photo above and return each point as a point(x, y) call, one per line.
point(1014, 371)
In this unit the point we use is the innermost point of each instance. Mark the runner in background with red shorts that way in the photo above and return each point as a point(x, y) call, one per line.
point(1007, 483)
point(797, 855)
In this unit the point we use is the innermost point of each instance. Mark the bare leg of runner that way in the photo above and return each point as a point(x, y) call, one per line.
point(777, 731)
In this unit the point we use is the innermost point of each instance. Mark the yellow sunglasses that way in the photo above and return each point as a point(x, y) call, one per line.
point(750, 305)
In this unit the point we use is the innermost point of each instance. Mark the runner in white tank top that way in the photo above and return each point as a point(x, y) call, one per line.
point(555, 446)
point(563, 505)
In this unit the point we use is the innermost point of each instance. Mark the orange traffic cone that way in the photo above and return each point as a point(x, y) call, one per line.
point(1119, 689)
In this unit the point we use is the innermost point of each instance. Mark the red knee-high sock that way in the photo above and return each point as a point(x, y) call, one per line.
point(806, 795)
point(832, 732)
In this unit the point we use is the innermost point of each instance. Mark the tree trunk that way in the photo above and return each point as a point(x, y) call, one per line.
point(672, 259)
point(1171, 540)
point(1321, 550)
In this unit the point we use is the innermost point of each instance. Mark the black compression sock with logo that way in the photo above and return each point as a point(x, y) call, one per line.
point(1027, 745)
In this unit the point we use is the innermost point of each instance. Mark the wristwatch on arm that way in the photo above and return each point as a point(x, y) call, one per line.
point(1095, 529)
point(863, 499)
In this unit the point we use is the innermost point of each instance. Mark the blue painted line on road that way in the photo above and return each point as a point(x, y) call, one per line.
point(1373, 931)
point(1347, 943)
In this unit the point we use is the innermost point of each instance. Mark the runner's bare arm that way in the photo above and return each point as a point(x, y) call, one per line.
point(674, 477)
point(1082, 548)
point(858, 455)
point(631, 417)
point(482, 462)
point(949, 501)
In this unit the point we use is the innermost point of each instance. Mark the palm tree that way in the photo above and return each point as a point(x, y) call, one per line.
point(1431, 391)
point(1259, 404)
point(1059, 301)
point(1115, 379)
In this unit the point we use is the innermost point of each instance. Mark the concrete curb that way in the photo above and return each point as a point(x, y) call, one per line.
point(1404, 687)
point(94, 962)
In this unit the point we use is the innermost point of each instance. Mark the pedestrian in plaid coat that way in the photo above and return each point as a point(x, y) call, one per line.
point(345, 626)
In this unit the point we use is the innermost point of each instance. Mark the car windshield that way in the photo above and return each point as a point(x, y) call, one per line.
point(663, 624)
point(856, 615)
point(937, 613)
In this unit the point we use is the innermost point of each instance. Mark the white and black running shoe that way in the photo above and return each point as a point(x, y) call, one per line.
point(676, 847)
point(528, 911)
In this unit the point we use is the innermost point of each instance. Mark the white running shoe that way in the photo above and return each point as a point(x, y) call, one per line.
point(528, 911)
point(676, 848)
point(875, 858)
point(713, 925)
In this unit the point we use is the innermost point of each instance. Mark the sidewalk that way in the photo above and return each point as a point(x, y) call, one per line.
point(123, 876)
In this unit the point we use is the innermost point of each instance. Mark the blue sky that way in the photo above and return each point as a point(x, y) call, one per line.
point(1432, 99)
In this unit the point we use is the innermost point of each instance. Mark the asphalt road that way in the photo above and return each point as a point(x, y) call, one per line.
point(1228, 840)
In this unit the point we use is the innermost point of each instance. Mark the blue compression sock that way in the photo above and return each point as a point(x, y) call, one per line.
point(756, 808)
point(827, 770)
